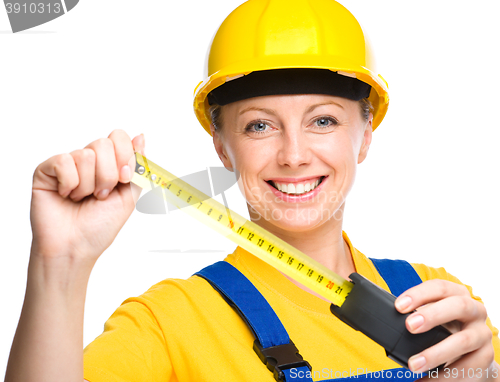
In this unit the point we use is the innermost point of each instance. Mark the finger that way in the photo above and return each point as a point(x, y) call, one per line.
point(106, 171)
point(57, 173)
point(461, 308)
point(139, 144)
point(478, 365)
point(85, 165)
point(470, 339)
point(429, 291)
point(124, 152)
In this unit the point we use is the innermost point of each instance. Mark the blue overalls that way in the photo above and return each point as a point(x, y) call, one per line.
point(272, 344)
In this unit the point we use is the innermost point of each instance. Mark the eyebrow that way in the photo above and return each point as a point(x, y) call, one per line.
point(270, 111)
point(312, 107)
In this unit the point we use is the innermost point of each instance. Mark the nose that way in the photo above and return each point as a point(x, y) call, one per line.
point(294, 149)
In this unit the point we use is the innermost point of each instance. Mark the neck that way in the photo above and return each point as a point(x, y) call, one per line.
point(324, 243)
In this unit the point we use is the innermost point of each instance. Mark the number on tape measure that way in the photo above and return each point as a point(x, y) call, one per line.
point(243, 232)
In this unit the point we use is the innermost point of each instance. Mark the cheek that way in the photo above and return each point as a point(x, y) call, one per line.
point(249, 160)
point(338, 155)
point(336, 151)
point(249, 156)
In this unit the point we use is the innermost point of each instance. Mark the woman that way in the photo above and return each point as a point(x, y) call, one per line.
point(293, 140)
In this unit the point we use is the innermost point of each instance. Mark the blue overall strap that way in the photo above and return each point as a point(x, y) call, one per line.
point(240, 293)
point(272, 344)
point(398, 274)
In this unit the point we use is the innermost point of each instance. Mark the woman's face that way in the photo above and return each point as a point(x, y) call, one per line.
point(296, 155)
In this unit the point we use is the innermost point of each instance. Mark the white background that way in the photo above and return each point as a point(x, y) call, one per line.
point(428, 191)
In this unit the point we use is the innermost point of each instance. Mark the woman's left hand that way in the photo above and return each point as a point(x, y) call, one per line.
point(468, 353)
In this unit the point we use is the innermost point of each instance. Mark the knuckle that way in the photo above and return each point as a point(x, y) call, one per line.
point(464, 304)
point(108, 178)
point(63, 159)
point(441, 286)
point(104, 142)
point(488, 334)
point(64, 165)
point(77, 154)
point(463, 290)
point(481, 309)
point(117, 131)
point(466, 340)
point(84, 155)
point(88, 155)
point(489, 355)
point(489, 337)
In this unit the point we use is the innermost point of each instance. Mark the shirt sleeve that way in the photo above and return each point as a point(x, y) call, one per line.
point(131, 348)
point(428, 273)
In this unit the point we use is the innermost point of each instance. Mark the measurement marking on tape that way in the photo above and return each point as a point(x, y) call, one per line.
point(248, 235)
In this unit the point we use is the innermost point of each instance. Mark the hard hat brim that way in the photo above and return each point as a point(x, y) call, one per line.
point(378, 96)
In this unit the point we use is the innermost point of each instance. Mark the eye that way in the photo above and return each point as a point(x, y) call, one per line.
point(257, 127)
point(323, 122)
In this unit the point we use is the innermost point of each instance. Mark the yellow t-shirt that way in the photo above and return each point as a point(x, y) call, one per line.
point(182, 330)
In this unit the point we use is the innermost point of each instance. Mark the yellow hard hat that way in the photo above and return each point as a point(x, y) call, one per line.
point(262, 35)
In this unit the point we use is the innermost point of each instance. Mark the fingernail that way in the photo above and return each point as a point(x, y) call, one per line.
point(125, 172)
point(415, 321)
point(102, 194)
point(416, 362)
point(403, 302)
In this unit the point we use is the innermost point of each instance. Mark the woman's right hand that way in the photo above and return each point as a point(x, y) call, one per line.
point(81, 200)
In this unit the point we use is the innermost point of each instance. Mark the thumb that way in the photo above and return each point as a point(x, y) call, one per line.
point(139, 143)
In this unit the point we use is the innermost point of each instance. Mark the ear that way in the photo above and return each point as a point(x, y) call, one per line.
point(219, 147)
point(367, 140)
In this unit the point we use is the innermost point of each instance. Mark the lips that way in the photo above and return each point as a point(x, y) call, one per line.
point(295, 187)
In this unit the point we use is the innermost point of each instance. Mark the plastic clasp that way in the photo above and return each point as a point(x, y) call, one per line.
point(370, 310)
point(279, 358)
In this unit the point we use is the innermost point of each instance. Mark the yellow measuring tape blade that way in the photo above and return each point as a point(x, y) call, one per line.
point(246, 234)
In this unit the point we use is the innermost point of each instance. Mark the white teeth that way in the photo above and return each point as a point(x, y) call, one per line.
point(298, 189)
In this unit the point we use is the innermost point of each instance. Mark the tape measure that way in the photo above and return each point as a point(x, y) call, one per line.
point(248, 235)
point(369, 309)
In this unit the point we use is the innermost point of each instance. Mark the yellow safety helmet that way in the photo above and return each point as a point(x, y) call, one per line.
point(262, 35)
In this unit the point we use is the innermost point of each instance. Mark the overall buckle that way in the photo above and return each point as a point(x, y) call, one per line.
point(279, 358)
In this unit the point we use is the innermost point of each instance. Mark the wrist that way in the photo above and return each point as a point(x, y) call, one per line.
point(64, 275)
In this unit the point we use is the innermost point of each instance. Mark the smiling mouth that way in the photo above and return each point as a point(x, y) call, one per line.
point(296, 188)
